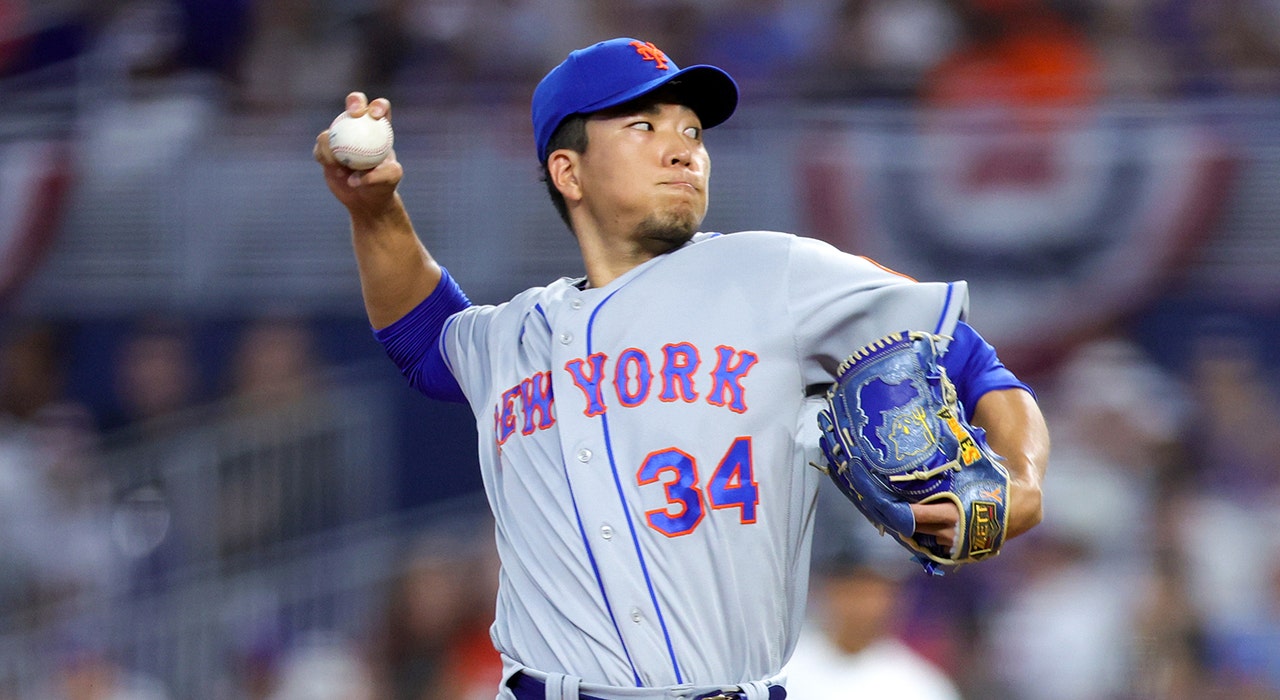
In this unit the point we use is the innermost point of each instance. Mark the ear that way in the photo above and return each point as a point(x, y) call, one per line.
point(562, 168)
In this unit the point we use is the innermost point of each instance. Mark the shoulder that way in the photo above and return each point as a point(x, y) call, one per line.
point(530, 297)
point(803, 249)
point(518, 307)
point(791, 256)
point(743, 238)
point(540, 295)
point(761, 246)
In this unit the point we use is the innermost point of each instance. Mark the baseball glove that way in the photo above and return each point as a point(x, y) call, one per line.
point(894, 433)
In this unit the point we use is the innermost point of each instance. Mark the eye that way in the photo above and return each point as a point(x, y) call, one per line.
point(693, 132)
point(641, 125)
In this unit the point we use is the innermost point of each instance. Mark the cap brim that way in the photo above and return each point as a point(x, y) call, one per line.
point(707, 90)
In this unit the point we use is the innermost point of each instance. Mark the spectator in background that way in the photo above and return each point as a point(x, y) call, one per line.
point(1233, 444)
point(156, 41)
point(671, 24)
point(850, 648)
point(157, 446)
point(30, 385)
point(295, 50)
point(1065, 632)
point(32, 372)
point(275, 362)
point(1196, 48)
point(514, 42)
point(55, 540)
point(1008, 106)
point(1133, 64)
point(750, 40)
point(1237, 444)
point(403, 51)
point(1015, 54)
point(323, 668)
point(1183, 29)
point(1171, 659)
point(420, 48)
point(1247, 34)
point(446, 51)
point(156, 375)
point(434, 641)
point(423, 611)
point(1068, 629)
point(1247, 656)
point(1120, 420)
point(85, 669)
point(278, 461)
point(879, 48)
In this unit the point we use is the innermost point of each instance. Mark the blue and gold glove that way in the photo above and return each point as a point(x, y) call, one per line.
point(894, 433)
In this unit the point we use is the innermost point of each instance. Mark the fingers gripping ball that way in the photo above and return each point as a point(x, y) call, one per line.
point(360, 143)
point(894, 433)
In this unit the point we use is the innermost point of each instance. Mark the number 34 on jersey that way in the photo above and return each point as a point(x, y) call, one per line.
point(628, 381)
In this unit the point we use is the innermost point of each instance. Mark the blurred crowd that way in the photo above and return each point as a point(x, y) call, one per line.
point(92, 528)
point(277, 54)
point(1156, 573)
point(1153, 576)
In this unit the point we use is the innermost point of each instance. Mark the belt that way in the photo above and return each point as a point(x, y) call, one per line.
point(526, 687)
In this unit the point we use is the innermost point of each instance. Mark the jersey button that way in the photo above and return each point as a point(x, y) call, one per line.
point(566, 338)
point(635, 615)
point(576, 304)
point(584, 455)
point(606, 532)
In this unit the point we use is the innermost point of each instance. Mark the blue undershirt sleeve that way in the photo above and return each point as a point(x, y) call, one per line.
point(413, 341)
point(972, 364)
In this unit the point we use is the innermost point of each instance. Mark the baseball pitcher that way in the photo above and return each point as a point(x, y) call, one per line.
point(646, 430)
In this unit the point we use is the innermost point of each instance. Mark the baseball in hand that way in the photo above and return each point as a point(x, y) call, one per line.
point(360, 143)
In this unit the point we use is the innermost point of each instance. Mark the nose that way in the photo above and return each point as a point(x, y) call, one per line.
point(678, 150)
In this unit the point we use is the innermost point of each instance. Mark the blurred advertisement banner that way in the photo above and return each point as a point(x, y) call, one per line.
point(40, 44)
point(35, 177)
point(1063, 223)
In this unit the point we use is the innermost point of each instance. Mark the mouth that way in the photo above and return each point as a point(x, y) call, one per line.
point(682, 184)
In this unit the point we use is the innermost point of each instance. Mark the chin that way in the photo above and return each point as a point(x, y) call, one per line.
point(668, 230)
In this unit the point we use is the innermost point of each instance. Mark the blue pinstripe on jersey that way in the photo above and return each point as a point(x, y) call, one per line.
point(946, 307)
point(595, 570)
point(586, 544)
point(635, 539)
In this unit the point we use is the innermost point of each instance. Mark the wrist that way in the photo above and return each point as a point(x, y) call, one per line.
point(371, 216)
point(1026, 506)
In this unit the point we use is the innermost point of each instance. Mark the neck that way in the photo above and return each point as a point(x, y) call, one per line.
point(607, 259)
point(607, 255)
point(603, 269)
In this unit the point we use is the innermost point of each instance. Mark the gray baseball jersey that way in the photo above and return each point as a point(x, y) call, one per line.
point(644, 449)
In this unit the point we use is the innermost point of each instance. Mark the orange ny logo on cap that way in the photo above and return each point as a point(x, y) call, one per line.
point(649, 52)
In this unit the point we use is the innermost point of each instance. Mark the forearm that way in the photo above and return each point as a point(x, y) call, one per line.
point(1016, 430)
point(396, 271)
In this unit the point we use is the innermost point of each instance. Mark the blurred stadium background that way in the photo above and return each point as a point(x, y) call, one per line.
point(212, 485)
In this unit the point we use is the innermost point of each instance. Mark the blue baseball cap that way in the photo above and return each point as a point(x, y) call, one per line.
point(618, 70)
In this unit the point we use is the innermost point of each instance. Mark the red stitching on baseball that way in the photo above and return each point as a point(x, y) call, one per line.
point(355, 150)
